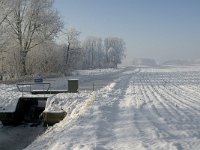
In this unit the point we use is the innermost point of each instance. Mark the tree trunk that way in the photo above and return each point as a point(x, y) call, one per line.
point(67, 57)
point(66, 64)
point(23, 55)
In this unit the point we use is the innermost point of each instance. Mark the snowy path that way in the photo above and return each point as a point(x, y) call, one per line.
point(13, 137)
point(143, 110)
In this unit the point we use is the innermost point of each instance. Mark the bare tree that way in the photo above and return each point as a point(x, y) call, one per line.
point(73, 47)
point(72, 41)
point(116, 47)
point(43, 59)
point(6, 7)
point(12, 62)
point(94, 54)
point(31, 23)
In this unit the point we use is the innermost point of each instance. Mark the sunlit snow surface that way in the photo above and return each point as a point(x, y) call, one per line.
point(156, 108)
point(147, 108)
point(95, 71)
point(9, 94)
point(20, 136)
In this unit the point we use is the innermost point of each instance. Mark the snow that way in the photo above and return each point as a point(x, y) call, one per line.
point(8, 98)
point(145, 108)
point(157, 109)
point(9, 95)
point(65, 101)
point(96, 71)
point(172, 69)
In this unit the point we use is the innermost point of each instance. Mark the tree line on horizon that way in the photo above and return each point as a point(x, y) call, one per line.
point(28, 32)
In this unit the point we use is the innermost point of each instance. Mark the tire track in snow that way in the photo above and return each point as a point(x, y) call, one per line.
point(186, 91)
point(179, 97)
point(177, 114)
point(150, 132)
point(181, 101)
point(185, 127)
point(111, 112)
point(141, 127)
point(158, 92)
point(191, 100)
point(162, 120)
point(140, 120)
point(191, 90)
point(182, 130)
point(188, 127)
point(124, 128)
point(162, 100)
point(187, 124)
point(154, 119)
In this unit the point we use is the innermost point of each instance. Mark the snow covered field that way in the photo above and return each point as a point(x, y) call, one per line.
point(95, 71)
point(156, 108)
point(13, 137)
point(100, 78)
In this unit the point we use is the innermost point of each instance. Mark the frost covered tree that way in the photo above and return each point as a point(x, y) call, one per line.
point(115, 51)
point(72, 49)
point(93, 52)
point(43, 59)
point(112, 57)
point(6, 7)
point(99, 53)
point(31, 23)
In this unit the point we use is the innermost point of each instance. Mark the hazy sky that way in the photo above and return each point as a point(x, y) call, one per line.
point(159, 29)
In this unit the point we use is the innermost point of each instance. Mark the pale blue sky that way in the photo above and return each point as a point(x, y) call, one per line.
point(159, 29)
